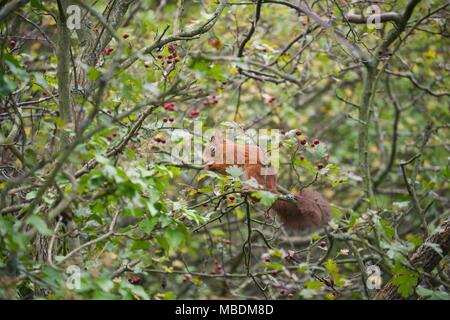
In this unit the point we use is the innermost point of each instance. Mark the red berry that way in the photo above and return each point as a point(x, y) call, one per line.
point(165, 119)
point(5, 161)
point(114, 134)
point(303, 142)
point(231, 198)
point(146, 65)
point(228, 242)
point(274, 272)
point(302, 158)
point(12, 43)
point(160, 56)
point(298, 132)
point(126, 35)
point(157, 139)
point(171, 119)
point(169, 61)
point(205, 102)
point(213, 272)
point(107, 51)
point(320, 165)
point(134, 280)
point(205, 204)
point(282, 292)
point(323, 244)
point(290, 295)
point(266, 259)
point(316, 141)
point(194, 114)
point(169, 106)
point(109, 138)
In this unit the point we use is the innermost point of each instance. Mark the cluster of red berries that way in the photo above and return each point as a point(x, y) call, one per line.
point(169, 119)
point(135, 280)
point(212, 100)
point(172, 57)
point(159, 140)
point(169, 106)
point(111, 136)
point(283, 292)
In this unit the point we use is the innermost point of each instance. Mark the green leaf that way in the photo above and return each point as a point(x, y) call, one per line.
point(148, 224)
point(39, 224)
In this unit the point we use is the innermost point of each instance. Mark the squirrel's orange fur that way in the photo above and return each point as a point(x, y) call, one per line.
point(311, 210)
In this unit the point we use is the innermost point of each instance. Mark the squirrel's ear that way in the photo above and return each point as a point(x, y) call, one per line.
point(213, 138)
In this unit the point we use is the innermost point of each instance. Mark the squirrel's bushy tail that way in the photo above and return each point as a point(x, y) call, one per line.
point(311, 211)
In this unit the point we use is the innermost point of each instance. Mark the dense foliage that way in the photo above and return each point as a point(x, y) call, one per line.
point(90, 115)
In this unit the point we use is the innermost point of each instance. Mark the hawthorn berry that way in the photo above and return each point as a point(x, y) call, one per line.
point(320, 165)
point(298, 132)
point(322, 244)
point(12, 43)
point(205, 102)
point(194, 113)
point(169, 106)
point(135, 280)
point(126, 35)
point(171, 119)
point(282, 292)
point(290, 295)
point(302, 157)
point(107, 51)
point(316, 141)
point(165, 119)
point(303, 142)
point(228, 242)
point(231, 198)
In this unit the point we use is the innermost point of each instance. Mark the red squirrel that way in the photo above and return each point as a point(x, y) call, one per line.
point(311, 209)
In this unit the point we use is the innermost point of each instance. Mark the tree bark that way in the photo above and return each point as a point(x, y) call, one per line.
point(425, 258)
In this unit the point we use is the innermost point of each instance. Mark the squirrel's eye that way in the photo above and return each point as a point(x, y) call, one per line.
point(212, 150)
